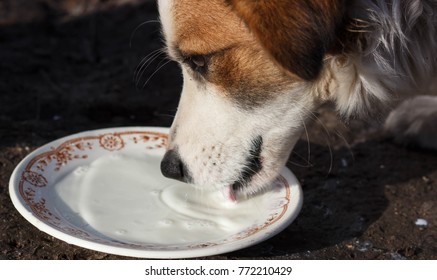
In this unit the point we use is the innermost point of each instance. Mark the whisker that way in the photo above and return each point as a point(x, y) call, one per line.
point(164, 115)
point(308, 163)
point(153, 74)
point(139, 26)
point(144, 59)
point(308, 140)
point(145, 65)
point(325, 129)
point(141, 63)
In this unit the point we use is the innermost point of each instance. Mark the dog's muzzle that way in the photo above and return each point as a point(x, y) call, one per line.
point(172, 166)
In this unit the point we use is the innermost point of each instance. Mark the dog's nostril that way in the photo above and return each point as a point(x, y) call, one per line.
point(173, 167)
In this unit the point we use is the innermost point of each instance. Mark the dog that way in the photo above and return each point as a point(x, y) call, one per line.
point(255, 71)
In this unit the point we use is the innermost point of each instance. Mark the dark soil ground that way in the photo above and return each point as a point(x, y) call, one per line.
point(67, 67)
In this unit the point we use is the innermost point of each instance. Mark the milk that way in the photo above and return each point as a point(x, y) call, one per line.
point(127, 199)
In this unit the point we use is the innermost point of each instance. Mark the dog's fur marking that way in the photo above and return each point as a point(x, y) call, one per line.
point(297, 34)
point(260, 68)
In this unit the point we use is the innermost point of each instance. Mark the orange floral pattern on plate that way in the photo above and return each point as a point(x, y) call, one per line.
point(111, 142)
point(78, 148)
point(34, 179)
point(70, 150)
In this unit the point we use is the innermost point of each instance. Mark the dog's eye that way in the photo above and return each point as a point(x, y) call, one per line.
point(197, 63)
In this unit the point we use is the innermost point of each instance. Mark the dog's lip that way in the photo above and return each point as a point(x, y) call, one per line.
point(229, 193)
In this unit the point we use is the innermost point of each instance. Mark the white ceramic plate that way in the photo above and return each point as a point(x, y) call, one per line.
point(70, 213)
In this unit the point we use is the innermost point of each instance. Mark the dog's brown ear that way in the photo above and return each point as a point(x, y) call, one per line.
point(296, 33)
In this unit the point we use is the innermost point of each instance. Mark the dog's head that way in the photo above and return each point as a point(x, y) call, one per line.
point(251, 79)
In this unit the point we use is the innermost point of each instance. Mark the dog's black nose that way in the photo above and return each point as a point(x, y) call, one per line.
point(173, 167)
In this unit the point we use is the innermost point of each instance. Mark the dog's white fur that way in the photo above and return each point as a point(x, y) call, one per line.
point(213, 136)
point(394, 57)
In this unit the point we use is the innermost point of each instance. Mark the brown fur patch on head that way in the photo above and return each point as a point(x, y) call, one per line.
point(247, 75)
point(237, 64)
point(297, 33)
point(206, 26)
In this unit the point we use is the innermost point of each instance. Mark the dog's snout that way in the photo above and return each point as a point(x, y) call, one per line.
point(173, 167)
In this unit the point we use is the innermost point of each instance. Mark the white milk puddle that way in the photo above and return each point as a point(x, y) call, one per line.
point(128, 199)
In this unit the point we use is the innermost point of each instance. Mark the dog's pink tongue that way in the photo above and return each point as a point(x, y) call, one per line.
point(229, 193)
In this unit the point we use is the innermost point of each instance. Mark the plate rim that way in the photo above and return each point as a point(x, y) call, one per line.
point(296, 201)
